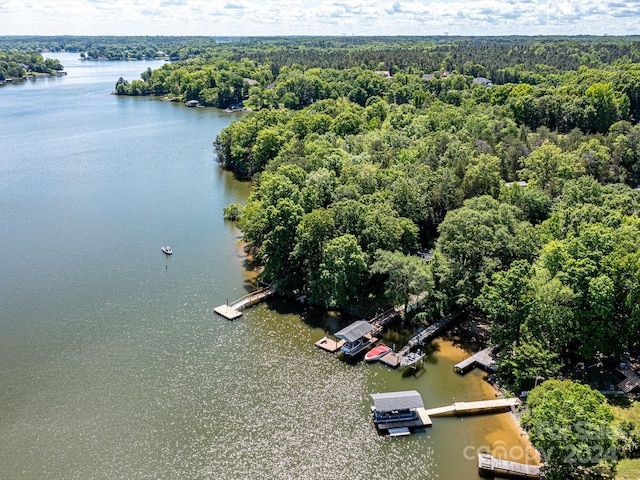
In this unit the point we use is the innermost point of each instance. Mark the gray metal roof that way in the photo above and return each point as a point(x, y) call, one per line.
point(385, 402)
point(354, 331)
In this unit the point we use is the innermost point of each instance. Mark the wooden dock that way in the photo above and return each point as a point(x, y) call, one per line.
point(484, 359)
point(474, 408)
point(233, 310)
point(391, 359)
point(489, 466)
point(329, 345)
point(427, 334)
point(380, 321)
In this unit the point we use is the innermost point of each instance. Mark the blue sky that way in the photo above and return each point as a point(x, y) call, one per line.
point(319, 17)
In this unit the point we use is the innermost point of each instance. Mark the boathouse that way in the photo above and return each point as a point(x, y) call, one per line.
point(397, 412)
point(357, 337)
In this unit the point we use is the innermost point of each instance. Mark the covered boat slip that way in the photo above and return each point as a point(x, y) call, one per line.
point(398, 411)
point(357, 337)
point(390, 401)
point(405, 409)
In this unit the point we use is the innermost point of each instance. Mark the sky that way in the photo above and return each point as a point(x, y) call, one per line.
point(319, 17)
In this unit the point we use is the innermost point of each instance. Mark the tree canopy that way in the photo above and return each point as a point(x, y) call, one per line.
point(571, 425)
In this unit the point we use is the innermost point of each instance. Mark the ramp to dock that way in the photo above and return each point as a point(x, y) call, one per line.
point(474, 408)
point(427, 334)
point(489, 466)
point(233, 310)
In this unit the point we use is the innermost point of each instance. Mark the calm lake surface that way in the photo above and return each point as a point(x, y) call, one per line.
point(112, 362)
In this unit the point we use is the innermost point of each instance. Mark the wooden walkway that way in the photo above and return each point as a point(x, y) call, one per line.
point(484, 359)
point(231, 311)
point(393, 359)
point(489, 466)
point(474, 408)
point(380, 321)
point(427, 334)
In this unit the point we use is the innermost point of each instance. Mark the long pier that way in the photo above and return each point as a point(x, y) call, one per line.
point(231, 311)
point(474, 408)
point(489, 466)
point(423, 418)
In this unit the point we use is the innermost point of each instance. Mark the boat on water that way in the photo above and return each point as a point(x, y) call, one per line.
point(377, 352)
point(167, 249)
point(412, 359)
point(357, 338)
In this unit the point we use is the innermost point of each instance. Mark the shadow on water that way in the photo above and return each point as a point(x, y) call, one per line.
point(329, 321)
point(416, 372)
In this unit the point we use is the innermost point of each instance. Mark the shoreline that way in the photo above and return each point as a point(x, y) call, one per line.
point(472, 334)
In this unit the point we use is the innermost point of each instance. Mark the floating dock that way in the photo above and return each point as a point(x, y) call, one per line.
point(227, 312)
point(233, 310)
point(484, 359)
point(329, 345)
point(489, 466)
point(474, 408)
point(391, 359)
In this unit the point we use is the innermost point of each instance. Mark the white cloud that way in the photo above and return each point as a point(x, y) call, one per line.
point(319, 17)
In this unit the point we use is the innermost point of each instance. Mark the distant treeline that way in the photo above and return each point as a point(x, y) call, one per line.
point(407, 54)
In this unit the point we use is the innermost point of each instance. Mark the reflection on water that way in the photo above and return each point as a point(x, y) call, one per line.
point(112, 362)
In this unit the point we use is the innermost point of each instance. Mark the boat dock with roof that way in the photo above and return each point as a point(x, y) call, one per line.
point(399, 412)
point(357, 337)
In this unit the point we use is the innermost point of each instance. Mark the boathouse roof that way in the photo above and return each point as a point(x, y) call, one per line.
point(354, 331)
point(386, 402)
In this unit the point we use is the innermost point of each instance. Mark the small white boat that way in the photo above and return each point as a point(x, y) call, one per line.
point(412, 359)
point(167, 249)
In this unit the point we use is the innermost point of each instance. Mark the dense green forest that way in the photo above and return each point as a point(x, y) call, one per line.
point(514, 161)
point(522, 183)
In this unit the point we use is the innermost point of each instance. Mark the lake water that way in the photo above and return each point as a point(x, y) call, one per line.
point(112, 362)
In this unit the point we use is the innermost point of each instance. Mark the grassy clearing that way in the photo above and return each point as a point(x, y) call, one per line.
point(629, 469)
point(625, 409)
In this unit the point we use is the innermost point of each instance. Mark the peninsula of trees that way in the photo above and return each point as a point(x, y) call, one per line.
point(17, 64)
point(514, 161)
point(497, 176)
